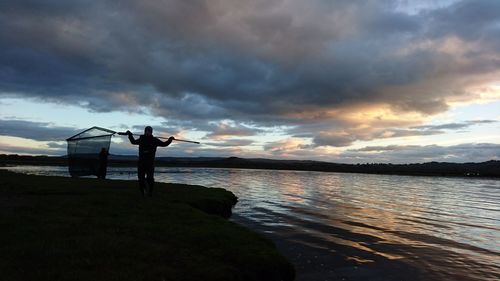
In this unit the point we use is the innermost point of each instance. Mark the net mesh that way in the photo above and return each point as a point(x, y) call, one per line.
point(84, 149)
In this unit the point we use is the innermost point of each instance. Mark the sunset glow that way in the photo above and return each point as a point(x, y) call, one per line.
point(343, 81)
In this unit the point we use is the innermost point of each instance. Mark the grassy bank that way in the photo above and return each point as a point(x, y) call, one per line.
point(54, 228)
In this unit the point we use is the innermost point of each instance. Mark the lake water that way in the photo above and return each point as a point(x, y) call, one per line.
point(337, 226)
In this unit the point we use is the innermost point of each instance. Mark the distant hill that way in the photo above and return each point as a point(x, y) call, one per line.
point(483, 169)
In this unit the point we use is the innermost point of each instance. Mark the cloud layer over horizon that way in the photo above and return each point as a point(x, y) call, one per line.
point(324, 73)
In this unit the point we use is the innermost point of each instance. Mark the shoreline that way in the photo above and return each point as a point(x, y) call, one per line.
point(483, 170)
point(318, 258)
point(336, 262)
point(86, 229)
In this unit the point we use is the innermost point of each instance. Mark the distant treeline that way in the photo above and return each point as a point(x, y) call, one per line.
point(483, 169)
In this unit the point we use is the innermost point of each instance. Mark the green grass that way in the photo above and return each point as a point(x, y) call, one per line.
point(54, 228)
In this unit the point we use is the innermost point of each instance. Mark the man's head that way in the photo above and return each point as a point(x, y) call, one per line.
point(148, 131)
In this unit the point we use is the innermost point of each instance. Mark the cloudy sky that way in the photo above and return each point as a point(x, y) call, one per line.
point(334, 80)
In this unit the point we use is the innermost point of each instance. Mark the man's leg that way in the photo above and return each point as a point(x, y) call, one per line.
point(150, 171)
point(142, 179)
point(101, 173)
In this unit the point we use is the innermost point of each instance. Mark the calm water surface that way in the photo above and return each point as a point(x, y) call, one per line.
point(431, 228)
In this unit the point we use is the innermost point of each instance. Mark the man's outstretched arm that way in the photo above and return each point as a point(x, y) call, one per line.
point(131, 138)
point(165, 143)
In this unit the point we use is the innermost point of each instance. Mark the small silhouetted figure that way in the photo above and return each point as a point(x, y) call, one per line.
point(103, 164)
point(147, 149)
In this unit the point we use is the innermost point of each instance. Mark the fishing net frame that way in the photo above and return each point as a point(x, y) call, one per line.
point(84, 149)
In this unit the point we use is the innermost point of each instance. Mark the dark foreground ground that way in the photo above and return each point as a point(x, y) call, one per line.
point(54, 228)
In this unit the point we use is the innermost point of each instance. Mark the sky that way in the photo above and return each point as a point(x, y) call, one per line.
point(386, 81)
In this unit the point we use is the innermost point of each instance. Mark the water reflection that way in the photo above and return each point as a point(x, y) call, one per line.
point(357, 226)
point(444, 228)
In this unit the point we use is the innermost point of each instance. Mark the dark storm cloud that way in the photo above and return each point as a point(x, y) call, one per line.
point(13, 149)
point(265, 62)
point(231, 143)
point(223, 130)
point(334, 139)
point(398, 154)
point(40, 131)
point(456, 126)
point(346, 138)
point(468, 19)
point(290, 147)
point(163, 131)
point(341, 136)
point(57, 145)
point(473, 152)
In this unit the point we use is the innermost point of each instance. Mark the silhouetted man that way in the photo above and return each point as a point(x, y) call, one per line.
point(147, 149)
point(103, 164)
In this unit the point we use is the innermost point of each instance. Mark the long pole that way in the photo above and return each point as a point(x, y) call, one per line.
point(197, 142)
point(124, 134)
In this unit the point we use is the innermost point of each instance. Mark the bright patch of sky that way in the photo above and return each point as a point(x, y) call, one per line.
point(80, 118)
point(68, 115)
point(414, 7)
